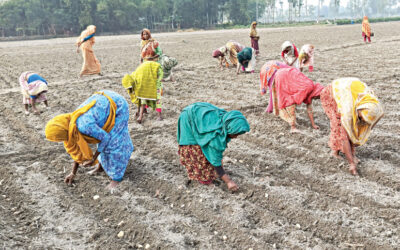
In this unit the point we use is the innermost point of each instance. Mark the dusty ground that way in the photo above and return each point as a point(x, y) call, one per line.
point(292, 194)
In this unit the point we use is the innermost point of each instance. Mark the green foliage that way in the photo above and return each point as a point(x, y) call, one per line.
point(70, 17)
point(371, 20)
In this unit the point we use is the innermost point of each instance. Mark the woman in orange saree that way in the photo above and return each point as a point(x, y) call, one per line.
point(91, 65)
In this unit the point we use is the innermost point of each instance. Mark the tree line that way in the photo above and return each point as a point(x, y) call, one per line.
point(70, 17)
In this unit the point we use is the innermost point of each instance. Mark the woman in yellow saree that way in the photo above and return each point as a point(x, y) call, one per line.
point(366, 29)
point(353, 110)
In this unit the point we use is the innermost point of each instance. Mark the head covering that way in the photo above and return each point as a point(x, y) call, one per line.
point(147, 31)
point(208, 126)
point(32, 84)
point(366, 27)
point(352, 95)
point(90, 30)
point(245, 55)
point(253, 31)
point(62, 128)
point(293, 50)
point(306, 56)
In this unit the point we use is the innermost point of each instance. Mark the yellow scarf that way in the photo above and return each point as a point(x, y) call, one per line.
point(253, 31)
point(63, 128)
point(352, 95)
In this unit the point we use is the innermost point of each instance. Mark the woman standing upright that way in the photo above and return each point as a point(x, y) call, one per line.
point(254, 37)
point(150, 48)
point(366, 29)
point(86, 41)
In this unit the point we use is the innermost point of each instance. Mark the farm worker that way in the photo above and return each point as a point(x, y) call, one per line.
point(254, 37)
point(231, 48)
point(103, 120)
point(150, 48)
point(366, 29)
point(353, 110)
point(204, 131)
point(247, 59)
point(167, 64)
point(289, 53)
point(86, 41)
point(267, 76)
point(33, 89)
point(145, 87)
point(306, 57)
point(291, 88)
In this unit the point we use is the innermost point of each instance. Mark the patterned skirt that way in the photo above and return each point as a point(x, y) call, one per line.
point(338, 133)
point(197, 165)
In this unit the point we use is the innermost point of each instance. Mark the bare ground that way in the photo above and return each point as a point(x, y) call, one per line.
point(292, 194)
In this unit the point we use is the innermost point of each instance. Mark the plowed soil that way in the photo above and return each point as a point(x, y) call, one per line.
point(292, 194)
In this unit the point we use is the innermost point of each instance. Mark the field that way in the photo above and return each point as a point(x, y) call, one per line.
point(292, 193)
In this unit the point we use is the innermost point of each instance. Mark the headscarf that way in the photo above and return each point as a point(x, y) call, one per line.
point(253, 31)
point(149, 46)
point(293, 49)
point(90, 30)
point(245, 55)
point(307, 53)
point(366, 27)
point(63, 128)
point(220, 52)
point(352, 95)
point(210, 127)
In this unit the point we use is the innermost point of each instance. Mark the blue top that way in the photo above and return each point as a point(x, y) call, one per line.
point(115, 147)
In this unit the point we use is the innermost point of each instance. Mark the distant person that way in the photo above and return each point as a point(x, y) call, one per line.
point(291, 88)
point(366, 29)
point(254, 37)
point(220, 55)
point(91, 65)
point(34, 89)
point(204, 131)
point(150, 48)
point(306, 58)
point(144, 86)
point(289, 53)
point(353, 111)
point(230, 49)
point(103, 120)
point(167, 64)
point(247, 60)
point(267, 76)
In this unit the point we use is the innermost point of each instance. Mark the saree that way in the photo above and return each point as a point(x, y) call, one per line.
point(33, 87)
point(290, 56)
point(247, 58)
point(90, 65)
point(353, 97)
point(306, 57)
point(267, 75)
point(208, 126)
point(149, 47)
point(366, 27)
point(233, 48)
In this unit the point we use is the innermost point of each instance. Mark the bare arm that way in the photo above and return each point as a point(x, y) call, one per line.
point(238, 68)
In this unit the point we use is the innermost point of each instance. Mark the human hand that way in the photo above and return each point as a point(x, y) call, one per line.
point(89, 163)
point(69, 178)
point(232, 186)
point(315, 126)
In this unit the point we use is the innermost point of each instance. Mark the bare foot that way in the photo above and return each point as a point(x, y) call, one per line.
point(112, 186)
point(26, 112)
point(97, 170)
point(139, 120)
point(294, 130)
point(160, 118)
point(336, 155)
point(232, 186)
point(356, 160)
